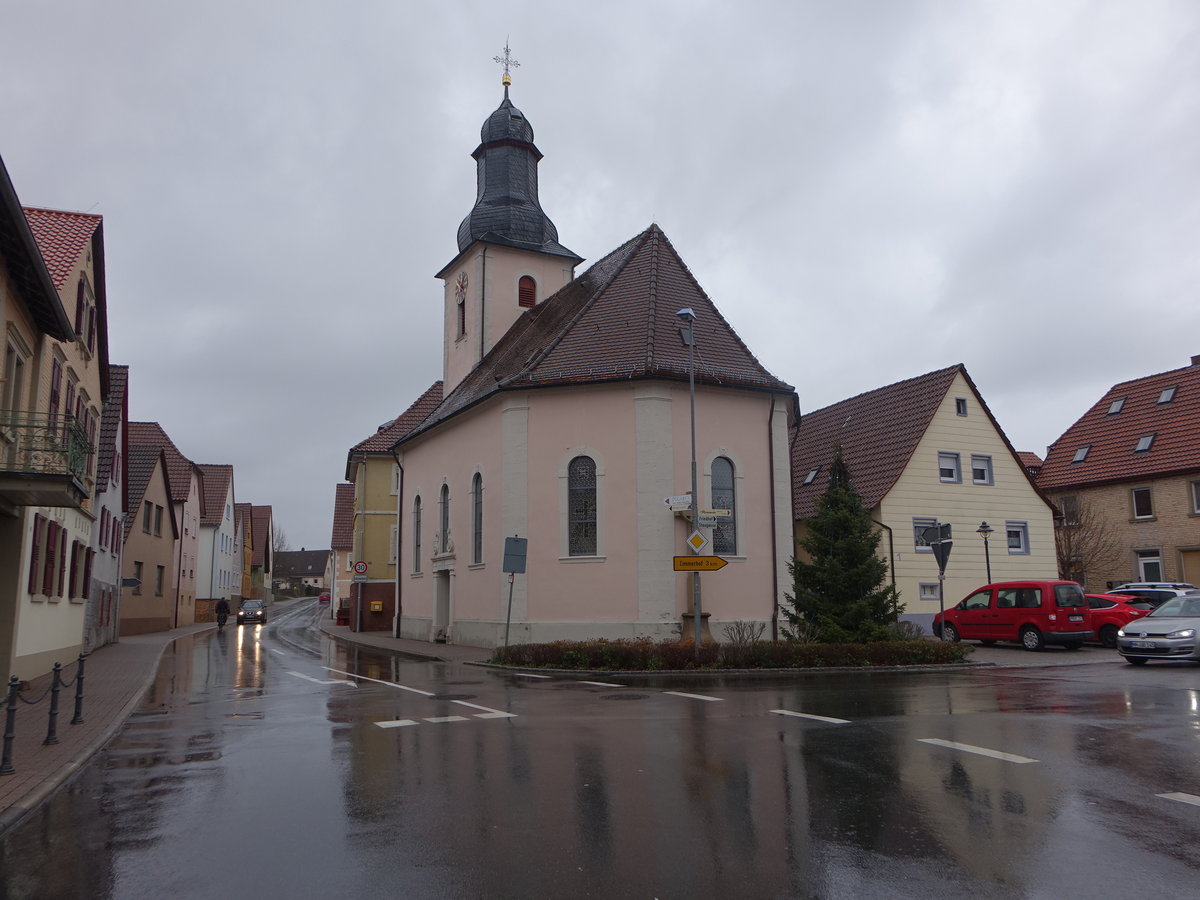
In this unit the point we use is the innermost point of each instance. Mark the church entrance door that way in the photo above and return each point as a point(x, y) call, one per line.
point(441, 607)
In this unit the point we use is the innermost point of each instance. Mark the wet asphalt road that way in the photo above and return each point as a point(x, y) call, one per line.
point(259, 768)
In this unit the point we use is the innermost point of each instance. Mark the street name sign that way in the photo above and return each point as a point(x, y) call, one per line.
point(716, 513)
point(678, 502)
point(699, 563)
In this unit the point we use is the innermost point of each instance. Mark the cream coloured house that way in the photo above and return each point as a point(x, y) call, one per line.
point(151, 531)
point(563, 417)
point(922, 452)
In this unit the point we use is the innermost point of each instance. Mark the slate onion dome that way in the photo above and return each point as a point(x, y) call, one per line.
point(506, 208)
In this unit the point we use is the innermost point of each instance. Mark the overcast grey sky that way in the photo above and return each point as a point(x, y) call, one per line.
point(867, 190)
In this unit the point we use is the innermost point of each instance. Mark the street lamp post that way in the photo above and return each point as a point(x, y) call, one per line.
point(985, 531)
point(688, 318)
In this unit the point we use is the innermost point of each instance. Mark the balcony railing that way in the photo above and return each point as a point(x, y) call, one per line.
point(43, 457)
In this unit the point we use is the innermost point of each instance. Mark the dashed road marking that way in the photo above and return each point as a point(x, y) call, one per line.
point(800, 715)
point(981, 751)
point(397, 723)
point(1180, 797)
point(602, 684)
point(694, 696)
point(529, 675)
point(437, 720)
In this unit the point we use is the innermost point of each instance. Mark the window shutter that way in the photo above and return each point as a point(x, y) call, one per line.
point(74, 572)
point(62, 559)
point(91, 333)
point(48, 568)
point(35, 547)
point(86, 588)
point(526, 291)
point(80, 300)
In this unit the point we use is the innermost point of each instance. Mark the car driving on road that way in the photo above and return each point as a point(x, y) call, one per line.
point(1168, 632)
point(253, 612)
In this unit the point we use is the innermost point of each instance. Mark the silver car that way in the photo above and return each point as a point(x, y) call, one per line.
point(1168, 632)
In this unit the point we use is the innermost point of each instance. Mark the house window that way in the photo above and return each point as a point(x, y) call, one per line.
point(477, 519)
point(137, 574)
point(581, 506)
point(928, 590)
point(393, 543)
point(725, 533)
point(1018, 537)
point(443, 543)
point(981, 469)
point(920, 523)
point(960, 405)
point(147, 515)
point(55, 392)
point(1144, 443)
point(1149, 565)
point(158, 511)
point(1143, 503)
point(1116, 406)
point(526, 291)
point(159, 573)
point(812, 475)
point(1069, 504)
point(14, 378)
point(949, 468)
point(1195, 488)
point(1081, 453)
point(395, 480)
point(1167, 395)
point(416, 526)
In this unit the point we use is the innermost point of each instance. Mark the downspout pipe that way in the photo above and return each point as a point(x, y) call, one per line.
point(399, 544)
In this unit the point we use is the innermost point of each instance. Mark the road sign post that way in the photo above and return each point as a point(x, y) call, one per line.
point(939, 541)
point(515, 553)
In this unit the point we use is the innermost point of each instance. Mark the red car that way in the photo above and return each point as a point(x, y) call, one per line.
point(1113, 611)
point(1032, 613)
point(324, 598)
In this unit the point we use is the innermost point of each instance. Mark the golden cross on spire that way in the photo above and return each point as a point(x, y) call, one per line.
point(508, 62)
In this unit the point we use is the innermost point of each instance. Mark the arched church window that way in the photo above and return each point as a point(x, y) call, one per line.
point(444, 543)
point(725, 533)
point(526, 291)
point(477, 519)
point(416, 527)
point(581, 506)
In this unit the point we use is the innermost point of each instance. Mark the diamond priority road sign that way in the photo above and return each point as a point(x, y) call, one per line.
point(699, 563)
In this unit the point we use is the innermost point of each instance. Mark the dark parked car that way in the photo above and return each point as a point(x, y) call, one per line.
point(1033, 613)
point(1111, 613)
point(253, 612)
point(1153, 593)
point(1168, 632)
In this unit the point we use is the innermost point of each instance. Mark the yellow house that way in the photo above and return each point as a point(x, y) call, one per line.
point(922, 452)
point(376, 477)
point(151, 530)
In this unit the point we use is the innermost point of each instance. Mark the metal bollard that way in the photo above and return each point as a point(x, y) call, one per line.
point(78, 718)
point(6, 766)
point(55, 687)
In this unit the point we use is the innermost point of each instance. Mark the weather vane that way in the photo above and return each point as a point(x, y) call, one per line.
point(508, 62)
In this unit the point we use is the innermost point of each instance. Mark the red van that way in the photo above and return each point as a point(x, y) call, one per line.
point(1033, 613)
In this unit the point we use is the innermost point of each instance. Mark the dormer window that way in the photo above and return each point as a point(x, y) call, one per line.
point(812, 475)
point(526, 292)
point(1144, 443)
point(1115, 407)
point(1081, 453)
point(1167, 395)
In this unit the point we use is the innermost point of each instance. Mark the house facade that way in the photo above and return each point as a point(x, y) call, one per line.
point(218, 569)
point(927, 451)
point(44, 461)
point(1126, 477)
point(563, 417)
point(338, 576)
point(110, 507)
point(262, 560)
point(151, 531)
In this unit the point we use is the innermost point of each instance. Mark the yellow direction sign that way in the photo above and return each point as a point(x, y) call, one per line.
point(699, 563)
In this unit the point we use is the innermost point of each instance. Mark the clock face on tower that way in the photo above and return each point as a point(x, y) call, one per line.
point(460, 287)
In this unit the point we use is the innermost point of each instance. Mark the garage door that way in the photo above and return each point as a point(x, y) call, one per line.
point(1190, 562)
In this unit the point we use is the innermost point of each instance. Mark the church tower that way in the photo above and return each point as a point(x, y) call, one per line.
point(509, 257)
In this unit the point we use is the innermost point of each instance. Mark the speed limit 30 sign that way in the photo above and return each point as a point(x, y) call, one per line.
point(360, 568)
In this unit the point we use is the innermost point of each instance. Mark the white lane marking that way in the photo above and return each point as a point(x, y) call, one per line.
point(527, 675)
point(397, 723)
point(982, 751)
point(437, 720)
point(323, 680)
point(693, 696)
point(1182, 798)
point(377, 681)
point(491, 713)
point(602, 684)
point(800, 715)
point(274, 650)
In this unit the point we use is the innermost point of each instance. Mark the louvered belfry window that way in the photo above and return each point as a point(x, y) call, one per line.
point(526, 291)
point(581, 506)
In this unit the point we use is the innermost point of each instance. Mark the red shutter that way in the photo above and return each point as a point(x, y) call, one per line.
point(55, 390)
point(48, 568)
point(85, 589)
point(35, 547)
point(62, 559)
point(71, 585)
point(80, 295)
point(91, 334)
point(526, 291)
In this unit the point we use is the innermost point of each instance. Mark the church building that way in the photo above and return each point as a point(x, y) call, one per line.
point(562, 416)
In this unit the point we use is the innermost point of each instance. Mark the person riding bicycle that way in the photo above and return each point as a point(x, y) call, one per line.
point(222, 612)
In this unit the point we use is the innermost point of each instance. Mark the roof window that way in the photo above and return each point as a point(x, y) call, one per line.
point(1116, 405)
point(1167, 395)
point(1144, 443)
point(812, 475)
point(1081, 453)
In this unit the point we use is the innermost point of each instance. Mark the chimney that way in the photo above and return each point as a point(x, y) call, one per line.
point(1196, 360)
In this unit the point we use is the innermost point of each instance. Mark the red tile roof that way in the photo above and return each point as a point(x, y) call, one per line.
point(1111, 437)
point(217, 482)
point(262, 516)
point(179, 467)
point(1030, 460)
point(343, 518)
point(877, 431)
point(244, 517)
point(382, 441)
point(615, 322)
point(142, 460)
point(62, 237)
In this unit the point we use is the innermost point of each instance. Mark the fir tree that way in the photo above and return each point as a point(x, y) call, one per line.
point(842, 594)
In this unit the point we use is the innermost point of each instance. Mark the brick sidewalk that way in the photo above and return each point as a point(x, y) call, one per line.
point(115, 680)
